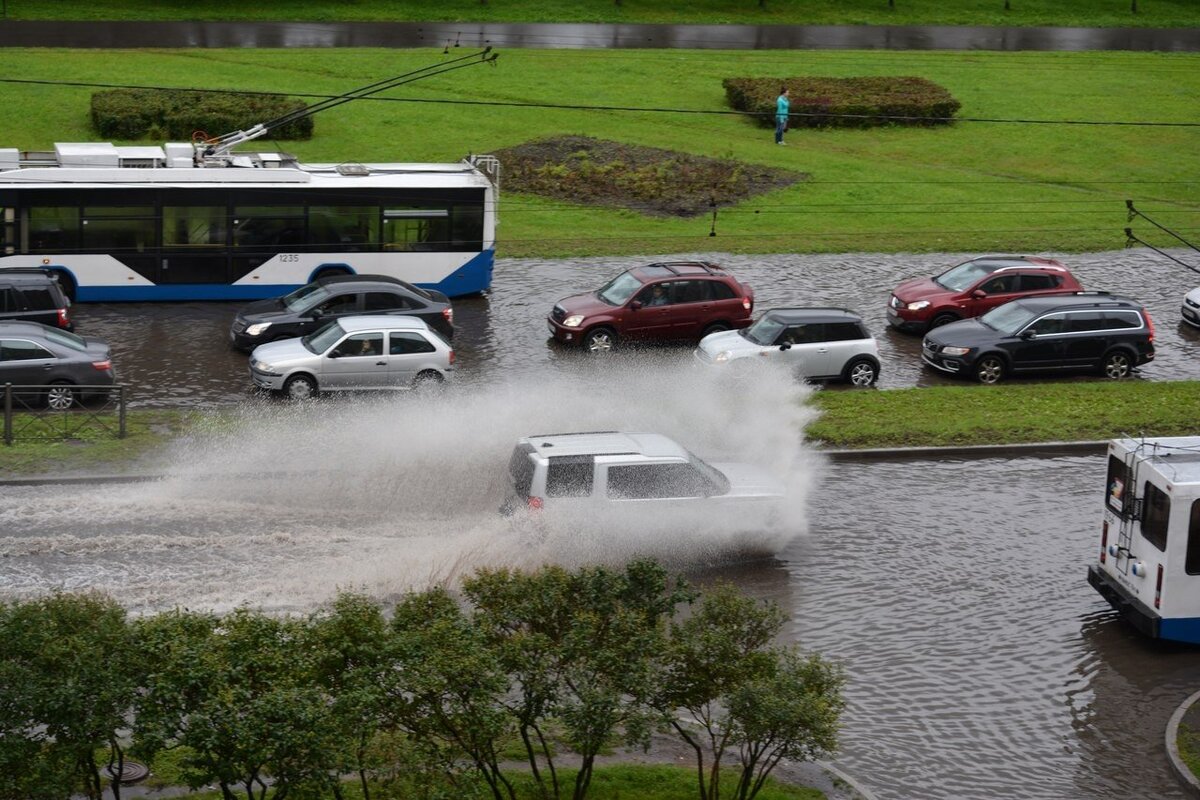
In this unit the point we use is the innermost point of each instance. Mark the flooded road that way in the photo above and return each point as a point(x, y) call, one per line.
point(980, 662)
point(176, 354)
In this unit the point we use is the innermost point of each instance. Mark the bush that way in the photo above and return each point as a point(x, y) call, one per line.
point(845, 102)
point(154, 114)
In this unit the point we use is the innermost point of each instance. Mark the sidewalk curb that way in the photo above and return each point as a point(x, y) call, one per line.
point(1181, 770)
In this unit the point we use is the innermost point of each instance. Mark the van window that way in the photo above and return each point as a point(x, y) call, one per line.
point(520, 469)
point(1118, 485)
point(570, 476)
point(647, 481)
point(1156, 514)
point(1192, 564)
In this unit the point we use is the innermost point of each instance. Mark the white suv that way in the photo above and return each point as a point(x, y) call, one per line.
point(815, 343)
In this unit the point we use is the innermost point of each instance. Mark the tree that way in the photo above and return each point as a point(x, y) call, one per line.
point(585, 650)
point(67, 680)
point(234, 691)
point(790, 712)
point(711, 655)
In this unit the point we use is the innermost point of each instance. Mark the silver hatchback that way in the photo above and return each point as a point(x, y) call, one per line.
point(354, 354)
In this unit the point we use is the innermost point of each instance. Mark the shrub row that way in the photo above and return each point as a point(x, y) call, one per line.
point(845, 102)
point(525, 666)
point(647, 179)
point(158, 115)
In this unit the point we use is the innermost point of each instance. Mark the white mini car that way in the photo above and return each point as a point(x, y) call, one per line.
point(354, 353)
point(816, 343)
point(1191, 308)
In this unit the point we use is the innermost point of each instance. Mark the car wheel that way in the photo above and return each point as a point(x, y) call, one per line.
point(942, 319)
point(716, 327)
point(300, 387)
point(600, 341)
point(60, 397)
point(989, 369)
point(427, 381)
point(861, 372)
point(1117, 365)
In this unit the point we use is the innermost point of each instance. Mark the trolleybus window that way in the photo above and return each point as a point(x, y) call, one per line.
point(194, 226)
point(1192, 563)
point(1156, 514)
point(1118, 483)
point(352, 228)
point(54, 228)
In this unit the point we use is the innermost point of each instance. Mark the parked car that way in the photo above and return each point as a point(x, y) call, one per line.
point(672, 300)
point(636, 471)
point(1081, 331)
point(309, 307)
point(1191, 308)
point(816, 343)
point(33, 354)
point(34, 295)
point(974, 287)
point(354, 353)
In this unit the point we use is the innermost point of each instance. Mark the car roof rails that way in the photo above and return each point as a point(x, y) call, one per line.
point(707, 266)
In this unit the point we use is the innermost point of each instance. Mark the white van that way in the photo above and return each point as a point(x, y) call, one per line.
point(1148, 565)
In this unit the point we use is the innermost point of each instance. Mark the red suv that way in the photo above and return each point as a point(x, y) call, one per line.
point(973, 288)
point(675, 300)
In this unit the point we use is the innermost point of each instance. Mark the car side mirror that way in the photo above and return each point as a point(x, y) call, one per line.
point(979, 294)
point(785, 346)
point(1028, 334)
point(335, 353)
point(635, 305)
point(317, 313)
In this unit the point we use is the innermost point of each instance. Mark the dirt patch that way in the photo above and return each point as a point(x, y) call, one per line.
point(646, 179)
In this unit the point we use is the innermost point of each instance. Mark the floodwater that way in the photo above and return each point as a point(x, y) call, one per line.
point(981, 664)
point(176, 354)
point(99, 34)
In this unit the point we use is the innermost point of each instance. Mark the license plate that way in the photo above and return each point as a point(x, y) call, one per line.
point(550, 325)
point(1189, 314)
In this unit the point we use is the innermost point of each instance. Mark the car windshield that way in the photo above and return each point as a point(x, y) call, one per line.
point(764, 331)
point(964, 275)
point(1008, 318)
point(305, 297)
point(619, 289)
point(714, 476)
point(324, 337)
point(66, 340)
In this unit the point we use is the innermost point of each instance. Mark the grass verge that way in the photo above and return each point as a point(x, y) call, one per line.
point(921, 417)
point(969, 186)
point(1188, 742)
point(1034, 412)
point(1101, 13)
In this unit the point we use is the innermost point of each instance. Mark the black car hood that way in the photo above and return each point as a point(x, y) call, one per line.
point(964, 333)
point(263, 310)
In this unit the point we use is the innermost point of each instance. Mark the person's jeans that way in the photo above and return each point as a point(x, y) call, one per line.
point(780, 127)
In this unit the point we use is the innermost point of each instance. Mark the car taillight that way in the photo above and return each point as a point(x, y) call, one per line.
point(1158, 588)
point(1149, 323)
point(103, 365)
point(1104, 542)
point(536, 504)
point(63, 320)
point(747, 303)
point(451, 356)
point(448, 314)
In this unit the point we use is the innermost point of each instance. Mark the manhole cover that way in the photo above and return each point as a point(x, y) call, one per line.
point(131, 772)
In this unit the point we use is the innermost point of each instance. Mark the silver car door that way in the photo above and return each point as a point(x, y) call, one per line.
point(408, 352)
point(356, 362)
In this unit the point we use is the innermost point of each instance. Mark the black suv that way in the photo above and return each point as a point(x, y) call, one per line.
point(34, 295)
point(309, 307)
point(1080, 331)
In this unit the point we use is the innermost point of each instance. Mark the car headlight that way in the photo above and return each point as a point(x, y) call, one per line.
point(721, 357)
point(918, 305)
point(258, 328)
point(573, 321)
point(263, 366)
point(955, 351)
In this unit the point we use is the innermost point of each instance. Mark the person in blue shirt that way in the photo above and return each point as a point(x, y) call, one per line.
point(781, 115)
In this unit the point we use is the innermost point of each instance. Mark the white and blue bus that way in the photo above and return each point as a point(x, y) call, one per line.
point(159, 223)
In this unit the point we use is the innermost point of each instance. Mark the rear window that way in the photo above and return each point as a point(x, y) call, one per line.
point(39, 299)
point(1156, 514)
point(570, 476)
point(1192, 563)
point(66, 339)
point(1118, 485)
point(520, 469)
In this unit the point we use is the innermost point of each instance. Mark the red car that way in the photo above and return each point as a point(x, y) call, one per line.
point(676, 300)
point(973, 288)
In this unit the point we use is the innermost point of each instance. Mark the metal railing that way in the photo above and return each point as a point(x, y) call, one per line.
point(57, 412)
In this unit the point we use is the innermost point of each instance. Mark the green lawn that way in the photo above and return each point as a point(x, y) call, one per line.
point(1034, 412)
point(1100, 13)
point(971, 186)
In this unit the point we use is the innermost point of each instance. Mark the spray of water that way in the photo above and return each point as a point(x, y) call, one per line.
point(285, 505)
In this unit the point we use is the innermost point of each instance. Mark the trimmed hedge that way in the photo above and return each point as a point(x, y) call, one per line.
point(159, 115)
point(651, 180)
point(868, 102)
